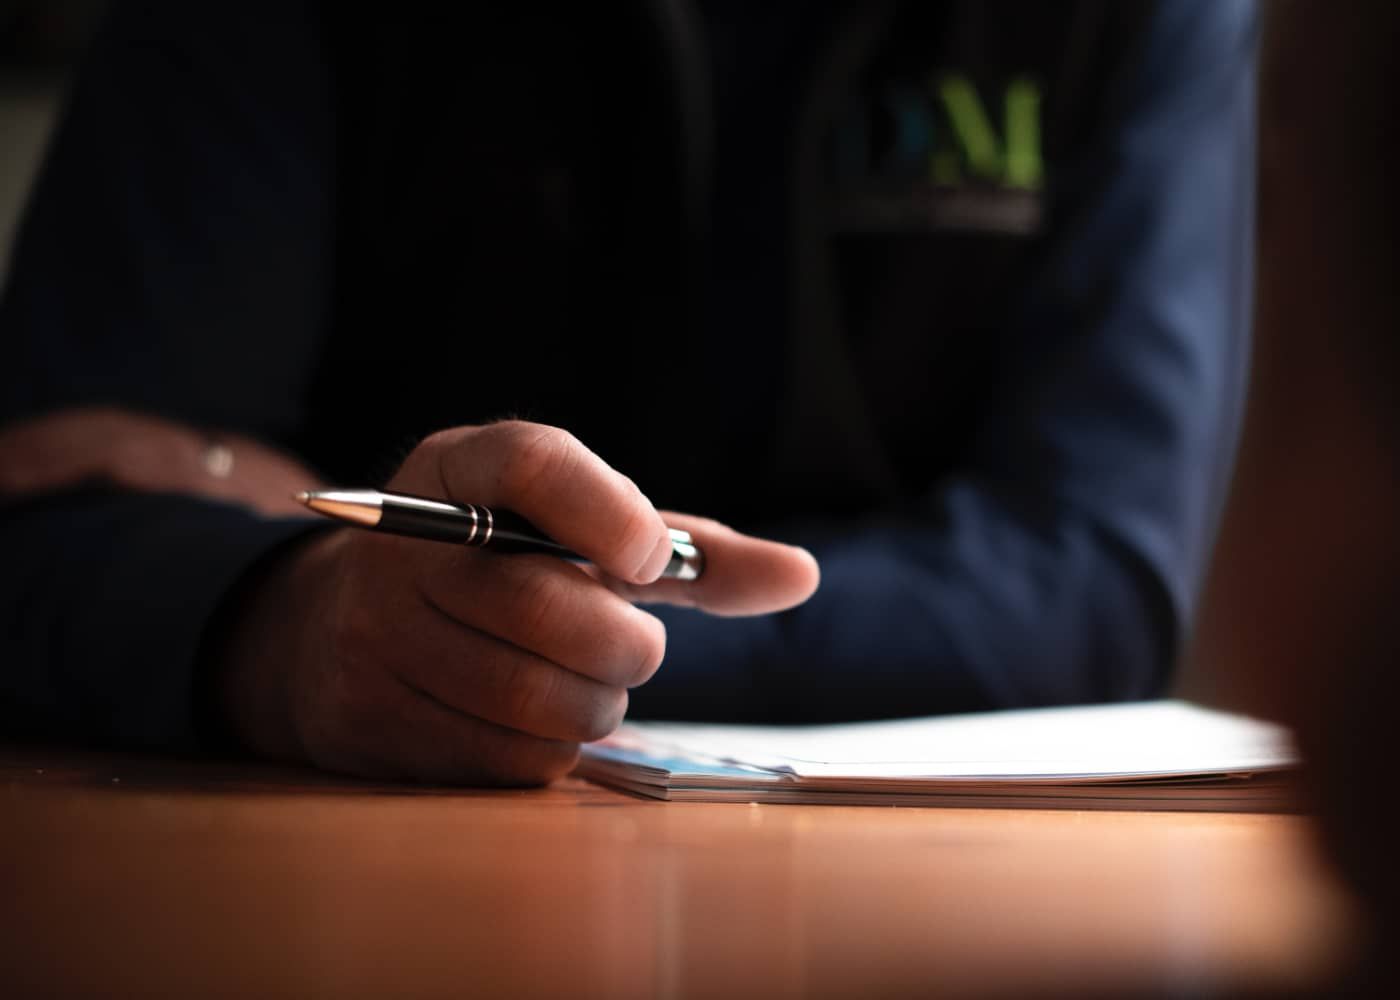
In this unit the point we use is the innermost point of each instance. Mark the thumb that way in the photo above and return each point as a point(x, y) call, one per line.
point(743, 575)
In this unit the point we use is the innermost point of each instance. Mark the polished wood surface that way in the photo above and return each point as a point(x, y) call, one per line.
point(124, 876)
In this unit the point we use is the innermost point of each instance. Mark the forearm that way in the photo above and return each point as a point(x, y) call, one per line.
point(107, 598)
point(72, 448)
point(984, 610)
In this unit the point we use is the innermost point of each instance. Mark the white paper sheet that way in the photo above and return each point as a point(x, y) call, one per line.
point(1148, 755)
point(1079, 743)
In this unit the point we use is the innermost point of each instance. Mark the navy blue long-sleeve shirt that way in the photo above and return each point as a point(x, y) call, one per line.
point(990, 375)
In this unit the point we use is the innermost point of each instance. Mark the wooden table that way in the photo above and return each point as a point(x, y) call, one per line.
point(124, 876)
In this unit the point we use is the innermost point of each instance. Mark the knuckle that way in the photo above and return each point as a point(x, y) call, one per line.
point(435, 446)
point(636, 532)
point(531, 695)
point(425, 467)
point(535, 454)
point(541, 599)
point(446, 439)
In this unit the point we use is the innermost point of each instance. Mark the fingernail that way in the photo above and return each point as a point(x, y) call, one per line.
point(656, 562)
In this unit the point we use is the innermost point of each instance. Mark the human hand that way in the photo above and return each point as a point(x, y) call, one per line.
point(394, 657)
point(64, 449)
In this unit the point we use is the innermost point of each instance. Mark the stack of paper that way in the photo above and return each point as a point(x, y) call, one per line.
point(1145, 755)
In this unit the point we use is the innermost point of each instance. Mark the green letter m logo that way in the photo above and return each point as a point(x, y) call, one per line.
point(1015, 162)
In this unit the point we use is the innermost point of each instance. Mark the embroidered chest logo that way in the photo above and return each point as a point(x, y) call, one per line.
point(912, 158)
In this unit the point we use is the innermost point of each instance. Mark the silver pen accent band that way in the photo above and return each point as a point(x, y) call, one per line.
point(686, 560)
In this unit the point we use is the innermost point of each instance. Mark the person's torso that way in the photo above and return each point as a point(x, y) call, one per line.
point(778, 245)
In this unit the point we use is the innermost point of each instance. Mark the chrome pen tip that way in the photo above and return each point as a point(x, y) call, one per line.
point(358, 506)
point(302, 496)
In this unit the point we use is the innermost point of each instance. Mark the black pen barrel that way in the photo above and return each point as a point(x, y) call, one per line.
point(512, 533)
point(471, 525)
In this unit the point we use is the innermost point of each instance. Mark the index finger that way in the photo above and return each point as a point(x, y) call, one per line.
point(550, 478)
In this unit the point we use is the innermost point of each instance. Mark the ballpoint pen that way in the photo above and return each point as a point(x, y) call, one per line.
point(470, 524)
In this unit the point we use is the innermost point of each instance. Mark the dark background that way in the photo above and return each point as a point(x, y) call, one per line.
point(1301, 619)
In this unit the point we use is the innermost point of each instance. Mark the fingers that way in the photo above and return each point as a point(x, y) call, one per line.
point(743, 575)
point(444, 746)
point(412, 735)
point(549, 477)
point(486, 677)
point(552, 609)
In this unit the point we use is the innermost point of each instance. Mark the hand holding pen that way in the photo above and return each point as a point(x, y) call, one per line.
point(390, 656)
